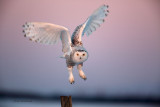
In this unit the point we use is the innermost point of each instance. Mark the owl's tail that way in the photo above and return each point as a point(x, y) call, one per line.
point(63, 56)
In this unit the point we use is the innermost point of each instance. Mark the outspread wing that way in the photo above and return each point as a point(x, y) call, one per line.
point(91, 24)
point(48, 34)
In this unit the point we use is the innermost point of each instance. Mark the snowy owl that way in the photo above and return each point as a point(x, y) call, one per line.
point(72, 46)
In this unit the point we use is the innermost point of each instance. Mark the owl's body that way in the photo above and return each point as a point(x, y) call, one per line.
point(74, 52)
point(77, 56)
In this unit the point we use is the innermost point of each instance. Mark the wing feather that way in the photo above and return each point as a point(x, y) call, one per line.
point(47, 33)
point(96, 18)
point(90, 25)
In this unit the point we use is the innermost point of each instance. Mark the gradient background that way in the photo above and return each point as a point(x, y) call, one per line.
point(124, 52)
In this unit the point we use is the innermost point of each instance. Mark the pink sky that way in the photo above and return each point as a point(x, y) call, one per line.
point(124, 51)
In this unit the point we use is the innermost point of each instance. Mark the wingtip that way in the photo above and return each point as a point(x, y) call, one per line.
point(106, 5)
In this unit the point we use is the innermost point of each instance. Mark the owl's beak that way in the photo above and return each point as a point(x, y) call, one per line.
point(80, 58)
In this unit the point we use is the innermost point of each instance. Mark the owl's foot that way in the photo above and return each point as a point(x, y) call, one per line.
point(82, 75)
point(71, 79)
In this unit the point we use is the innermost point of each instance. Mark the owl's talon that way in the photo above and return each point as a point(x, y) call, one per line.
point(83, 77)
point(72, 82)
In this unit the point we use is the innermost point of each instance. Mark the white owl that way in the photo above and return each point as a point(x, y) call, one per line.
point(74, 52)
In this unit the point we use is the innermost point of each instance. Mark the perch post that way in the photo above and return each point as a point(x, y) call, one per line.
point(66, 101)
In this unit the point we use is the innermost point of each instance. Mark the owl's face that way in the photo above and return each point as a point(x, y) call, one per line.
point(80, 56)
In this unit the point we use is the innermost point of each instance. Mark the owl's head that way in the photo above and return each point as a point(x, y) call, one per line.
point(80, 56)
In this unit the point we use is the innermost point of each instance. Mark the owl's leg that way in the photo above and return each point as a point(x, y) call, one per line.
point(71, 77)
point(81, 73)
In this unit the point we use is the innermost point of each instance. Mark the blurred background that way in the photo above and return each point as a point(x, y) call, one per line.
point(124, 61)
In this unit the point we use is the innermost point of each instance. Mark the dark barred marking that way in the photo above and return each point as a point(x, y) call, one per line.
point(81, 50)
point(75, 36)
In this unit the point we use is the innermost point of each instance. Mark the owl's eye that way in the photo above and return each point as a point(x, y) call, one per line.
point(77, 54)
point(83, 54)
